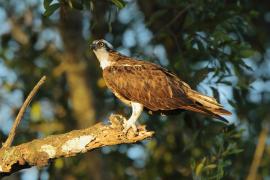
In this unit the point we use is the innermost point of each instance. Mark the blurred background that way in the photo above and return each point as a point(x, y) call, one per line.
point(219, 47)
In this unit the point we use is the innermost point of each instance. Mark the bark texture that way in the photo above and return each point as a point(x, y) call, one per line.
point(40, 152)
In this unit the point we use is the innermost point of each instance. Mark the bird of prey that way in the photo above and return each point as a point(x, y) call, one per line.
point(142, 84)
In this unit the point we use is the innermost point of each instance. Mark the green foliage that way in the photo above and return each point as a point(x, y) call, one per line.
point(76, 4)
point(119, 3)
point(219, 47)
point(50, 8)
point(214, 165)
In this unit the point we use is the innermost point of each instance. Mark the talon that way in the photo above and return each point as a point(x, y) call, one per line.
point(127, 125)
point(134, 128)
point(130, 123)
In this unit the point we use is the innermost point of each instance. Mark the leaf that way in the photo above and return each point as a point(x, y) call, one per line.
point(59, 163)
point(225, 82)
point(35, 112)
point(51, 9)
point(199, 44)
point(199, 169)
point(76, 4)
point(211, 166)
point(247, 53)
point(46, 3)
point(92, 5)
point(201, 74)
point(119, 3)
point(243, 64)
point(200, 166)
point(232, 103)
point(254, 13)
point(215, 93)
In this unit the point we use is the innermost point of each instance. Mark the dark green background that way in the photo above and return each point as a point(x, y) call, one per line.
point(219, 47)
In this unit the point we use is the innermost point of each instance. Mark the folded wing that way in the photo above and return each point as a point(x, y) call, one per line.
point(157, 89)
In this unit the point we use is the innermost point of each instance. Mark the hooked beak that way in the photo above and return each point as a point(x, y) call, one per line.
point(93, 46)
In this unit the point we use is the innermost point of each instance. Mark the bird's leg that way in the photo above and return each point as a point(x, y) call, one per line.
point(137, 109)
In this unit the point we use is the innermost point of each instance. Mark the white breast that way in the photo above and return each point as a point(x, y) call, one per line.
point(104, 63)
point(103, 57)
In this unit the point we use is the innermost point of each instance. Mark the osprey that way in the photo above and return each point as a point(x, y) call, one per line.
point(142, 84)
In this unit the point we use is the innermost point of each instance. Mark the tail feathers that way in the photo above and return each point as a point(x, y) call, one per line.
point(207, 105)
point(206, 112)
point(208, 101)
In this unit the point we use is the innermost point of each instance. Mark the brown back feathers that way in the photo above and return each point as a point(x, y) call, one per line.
point(156, 88)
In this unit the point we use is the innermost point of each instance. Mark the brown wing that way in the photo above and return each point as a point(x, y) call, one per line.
point(148, 84)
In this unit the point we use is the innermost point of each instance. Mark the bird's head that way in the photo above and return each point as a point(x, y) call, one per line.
point(102, 49)
point(101, 45)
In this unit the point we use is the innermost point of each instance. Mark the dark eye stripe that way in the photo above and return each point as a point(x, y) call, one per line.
point(101, 44)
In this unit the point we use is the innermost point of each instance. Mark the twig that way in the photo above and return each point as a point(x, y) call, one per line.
point(178, 15)
point(21, 113)
point(258, 155)
point(40, 152)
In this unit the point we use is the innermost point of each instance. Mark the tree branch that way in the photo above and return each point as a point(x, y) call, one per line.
point(39, 152)
point(258, 155)
point(21, 113)
point(178, 15)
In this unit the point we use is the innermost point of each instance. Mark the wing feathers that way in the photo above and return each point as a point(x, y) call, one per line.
point(157, 89)
point(145, 83)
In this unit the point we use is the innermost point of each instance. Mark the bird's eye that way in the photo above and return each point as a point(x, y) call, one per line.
point(101, 44)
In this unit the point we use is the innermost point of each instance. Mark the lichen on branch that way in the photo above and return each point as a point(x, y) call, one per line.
point(40, 152)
